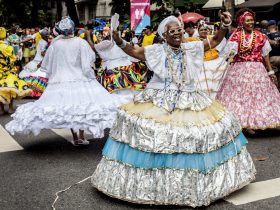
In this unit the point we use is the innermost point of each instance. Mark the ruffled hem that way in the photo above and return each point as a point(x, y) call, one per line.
point(204, 163)
point(169, 137)
point(248, 92)
point(172, 186)
point(9, 93)
point(33, 118)
point(36, 83)
point(174, 99)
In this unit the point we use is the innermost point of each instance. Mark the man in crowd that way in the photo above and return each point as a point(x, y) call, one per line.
point(274, 40)
point(191, 30)
point(264, 26)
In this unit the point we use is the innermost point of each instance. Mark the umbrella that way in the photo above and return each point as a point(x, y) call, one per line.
point(191, 17)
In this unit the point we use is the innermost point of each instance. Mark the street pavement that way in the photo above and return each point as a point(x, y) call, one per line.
point(34, 168)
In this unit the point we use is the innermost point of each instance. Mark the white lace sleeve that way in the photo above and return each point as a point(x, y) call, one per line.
point(42, 46)
point(194, 59)
point(155, 58)
point(266, 48)
point(87, 59)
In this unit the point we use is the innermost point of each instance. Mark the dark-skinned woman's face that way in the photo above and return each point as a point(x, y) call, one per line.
point(174, 34)
point(248, 24)
point(203, 32)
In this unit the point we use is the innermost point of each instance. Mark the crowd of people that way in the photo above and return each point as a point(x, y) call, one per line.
point(176, 100)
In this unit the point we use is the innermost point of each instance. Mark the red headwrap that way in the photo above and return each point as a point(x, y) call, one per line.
point(241, 18)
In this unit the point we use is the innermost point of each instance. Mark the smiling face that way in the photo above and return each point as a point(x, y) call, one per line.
point(248, 23)
point(174, 34)
point(203, 32)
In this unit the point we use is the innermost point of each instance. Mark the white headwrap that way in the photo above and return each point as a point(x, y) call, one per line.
point(162, 26)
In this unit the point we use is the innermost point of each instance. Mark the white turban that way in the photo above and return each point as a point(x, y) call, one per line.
point(162, 26)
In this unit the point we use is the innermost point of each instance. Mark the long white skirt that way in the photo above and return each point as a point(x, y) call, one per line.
point(84, 105)
point(31, 70)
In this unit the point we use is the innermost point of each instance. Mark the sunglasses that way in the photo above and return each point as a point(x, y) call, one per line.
point(177, 30)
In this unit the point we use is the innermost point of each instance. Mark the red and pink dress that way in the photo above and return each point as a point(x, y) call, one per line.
point(247, 90)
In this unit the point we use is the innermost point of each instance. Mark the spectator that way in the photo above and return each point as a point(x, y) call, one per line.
point(274, 55)
point(258, 26)
point(264, 26)
point(149, 36)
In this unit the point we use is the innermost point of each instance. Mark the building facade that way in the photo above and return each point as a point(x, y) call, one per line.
point(88, 10)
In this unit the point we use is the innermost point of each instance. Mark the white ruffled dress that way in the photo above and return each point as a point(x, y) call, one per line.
point(174, 146)
point(73, 97)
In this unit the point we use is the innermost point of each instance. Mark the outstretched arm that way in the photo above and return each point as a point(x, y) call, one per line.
point(136, 52)
point(226, 21)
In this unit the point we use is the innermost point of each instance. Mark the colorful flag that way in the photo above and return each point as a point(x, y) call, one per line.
point(139, 15)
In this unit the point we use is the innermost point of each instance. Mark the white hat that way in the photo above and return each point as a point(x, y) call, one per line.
point(162, 26)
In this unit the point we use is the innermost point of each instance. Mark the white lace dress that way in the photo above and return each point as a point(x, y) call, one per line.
point(73, 97)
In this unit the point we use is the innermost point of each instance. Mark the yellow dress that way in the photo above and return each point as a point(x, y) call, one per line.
point(210, 54)
point(10, 85)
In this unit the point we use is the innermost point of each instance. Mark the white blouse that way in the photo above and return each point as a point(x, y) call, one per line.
point(69, 59)
point(156, 58)
point(42, 45)
point(111, 55)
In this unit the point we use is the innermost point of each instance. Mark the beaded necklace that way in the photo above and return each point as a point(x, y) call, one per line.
point(246, 47)
point(173, 68)
point(180, 79)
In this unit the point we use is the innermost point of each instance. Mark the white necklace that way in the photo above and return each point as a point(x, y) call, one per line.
point(250, 40)
point(177, 67)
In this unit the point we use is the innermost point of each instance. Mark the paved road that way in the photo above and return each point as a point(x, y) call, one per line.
point(47, 163)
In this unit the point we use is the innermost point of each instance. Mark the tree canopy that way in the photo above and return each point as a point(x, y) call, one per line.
point(33, 12)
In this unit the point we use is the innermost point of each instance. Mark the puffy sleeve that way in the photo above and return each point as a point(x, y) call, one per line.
point(221, 46)
point(155, 59)
point(46, 65)
point(194, 59)
point(266, 48)
point(87, 59)
point(42, 46)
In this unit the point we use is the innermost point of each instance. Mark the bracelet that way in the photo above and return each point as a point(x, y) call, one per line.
point(122, 45)
point(226, 25)
point(271, 72)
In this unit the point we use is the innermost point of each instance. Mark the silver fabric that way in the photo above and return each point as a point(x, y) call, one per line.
point(148, 135)
point(170, 99)
point(173, 186)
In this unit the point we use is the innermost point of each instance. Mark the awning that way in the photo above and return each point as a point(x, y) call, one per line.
point(258, 3)
point(211, 4)
point(181, 3)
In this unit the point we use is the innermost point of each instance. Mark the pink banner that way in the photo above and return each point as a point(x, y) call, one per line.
point(139, 14)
